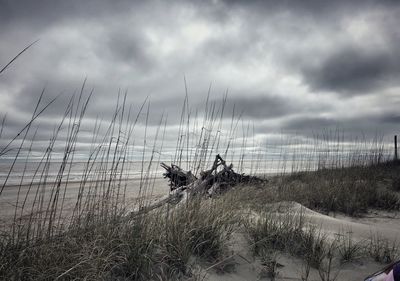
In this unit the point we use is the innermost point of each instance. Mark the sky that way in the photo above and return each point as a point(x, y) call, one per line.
point(297, 67)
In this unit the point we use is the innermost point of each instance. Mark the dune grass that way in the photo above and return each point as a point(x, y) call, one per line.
point(349, 190)
point(156, 246)
point(286, 232)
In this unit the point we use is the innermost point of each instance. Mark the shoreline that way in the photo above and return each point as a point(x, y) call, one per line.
point(75, 182)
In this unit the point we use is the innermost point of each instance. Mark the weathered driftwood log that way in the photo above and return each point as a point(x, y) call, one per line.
point(184, 184)
point(215, 180)
point(177, 176)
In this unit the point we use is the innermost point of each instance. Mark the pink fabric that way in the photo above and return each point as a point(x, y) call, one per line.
point(390, 276)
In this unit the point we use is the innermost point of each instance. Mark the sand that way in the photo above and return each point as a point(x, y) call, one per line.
point(9, 195)
point(243, 266)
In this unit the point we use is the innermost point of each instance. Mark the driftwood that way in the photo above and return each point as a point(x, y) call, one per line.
point(183, 184)
point(215, 180)
point(177, 176)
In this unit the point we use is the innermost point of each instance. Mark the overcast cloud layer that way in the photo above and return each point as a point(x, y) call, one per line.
point(297, 66)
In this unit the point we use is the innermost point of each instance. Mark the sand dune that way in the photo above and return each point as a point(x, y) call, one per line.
point(387, 224)
point(246, 267)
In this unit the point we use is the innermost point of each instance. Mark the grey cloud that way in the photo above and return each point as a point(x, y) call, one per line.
point(310, 124)
point(250, 105)
point(391, 119)
point(367, 126)
point(129, 47)
point(339, 65)
point(313, 8)
point(261, 106)
point(42, 13)
point(355, 71)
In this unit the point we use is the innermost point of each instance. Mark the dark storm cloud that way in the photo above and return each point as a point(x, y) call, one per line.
point(314, 8)
point(129, 49)
point(45, 12)
point(261, 106)
point(25, 100)
point(391, 119)
point(356, 71)
point(311, 124)
point(368, 126)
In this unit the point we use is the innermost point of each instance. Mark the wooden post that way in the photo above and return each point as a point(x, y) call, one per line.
point(395, 148)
